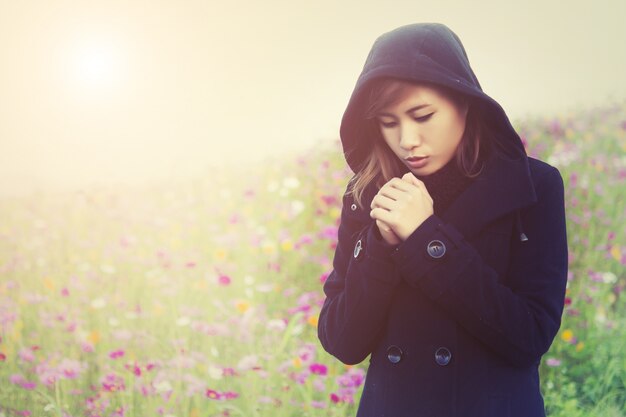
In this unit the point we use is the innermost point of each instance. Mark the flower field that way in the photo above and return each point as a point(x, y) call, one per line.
point(201, 298)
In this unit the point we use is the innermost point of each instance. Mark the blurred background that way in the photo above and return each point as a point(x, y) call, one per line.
point(127, 92)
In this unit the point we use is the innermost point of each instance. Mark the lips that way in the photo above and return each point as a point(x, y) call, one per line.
point(416, 162)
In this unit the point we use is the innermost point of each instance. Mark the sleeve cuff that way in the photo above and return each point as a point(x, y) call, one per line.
point(377, 247)
point(430, 246)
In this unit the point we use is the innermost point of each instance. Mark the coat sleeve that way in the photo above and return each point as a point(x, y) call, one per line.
point(358, 290)
point(518, 320)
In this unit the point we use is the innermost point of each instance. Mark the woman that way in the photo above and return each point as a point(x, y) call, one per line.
point(451, 265)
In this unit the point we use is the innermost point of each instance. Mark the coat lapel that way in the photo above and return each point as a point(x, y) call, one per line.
point(504, 186)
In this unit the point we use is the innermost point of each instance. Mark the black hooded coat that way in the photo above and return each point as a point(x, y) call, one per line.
point(455, 319)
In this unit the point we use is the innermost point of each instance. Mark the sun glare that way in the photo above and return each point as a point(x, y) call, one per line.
point(96, 65)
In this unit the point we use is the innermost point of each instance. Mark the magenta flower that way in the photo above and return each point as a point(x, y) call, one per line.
point(224, 280)
point(112, 383)
point(318, 369)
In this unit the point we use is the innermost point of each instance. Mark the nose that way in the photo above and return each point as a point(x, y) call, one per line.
point(410, 136)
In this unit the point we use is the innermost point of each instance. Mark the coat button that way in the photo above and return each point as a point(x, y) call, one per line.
point(394, 354)
point(358, 248)
point(353, 207)
point(436, 249)
point(443, 356)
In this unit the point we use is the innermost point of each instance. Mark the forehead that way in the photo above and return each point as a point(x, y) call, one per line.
point(408, 94)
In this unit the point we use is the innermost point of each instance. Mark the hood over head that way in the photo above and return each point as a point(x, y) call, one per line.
point(422, 52)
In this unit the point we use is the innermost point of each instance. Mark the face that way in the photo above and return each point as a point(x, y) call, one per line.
point(423, 128)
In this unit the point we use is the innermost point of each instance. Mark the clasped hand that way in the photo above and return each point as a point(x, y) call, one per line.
point(400, 206)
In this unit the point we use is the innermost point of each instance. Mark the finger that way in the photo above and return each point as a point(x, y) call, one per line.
point(383, 226)
point(381, 201)
point(391, 192)
point(409, 177)
point(383, 215)
point(400, 184)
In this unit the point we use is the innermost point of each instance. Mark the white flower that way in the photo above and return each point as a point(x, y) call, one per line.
point(297, 207)
point(276, 324)
point(609, 278)
point(247, 362)
point(183, 321)
point(163, 386)
point(108, 269)
point(215, 372)
point(291, 182)
point(98, 303)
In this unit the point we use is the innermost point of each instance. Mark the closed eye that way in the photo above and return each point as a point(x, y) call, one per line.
point(387, 124)
point(423, 118)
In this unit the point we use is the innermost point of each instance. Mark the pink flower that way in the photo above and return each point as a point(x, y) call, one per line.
point(334, 398)
point(224, 280)
point(553, 362)
point(212, 394)
point(318, 404)
point(27, 355)
point(116, 354)
point(70, 368)
point(230, 395)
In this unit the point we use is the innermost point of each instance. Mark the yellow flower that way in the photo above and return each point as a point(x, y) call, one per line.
point(48, 283)
point(268, 248)
point(286, 245)
point(200, 285)
point(579, 346)
point(194, 413)
point(312, 320)
point(220, 254)
point(335, 213)
point(297, 362)
point(616, 253)
point(567, 335)
point(94, 337)
point(242, 306)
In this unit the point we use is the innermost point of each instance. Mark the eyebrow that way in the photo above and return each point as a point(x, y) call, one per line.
point(412, 109)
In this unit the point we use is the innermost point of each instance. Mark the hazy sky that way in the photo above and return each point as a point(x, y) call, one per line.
point(130, 91)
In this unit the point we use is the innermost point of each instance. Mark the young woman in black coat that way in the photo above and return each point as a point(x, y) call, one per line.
point(451, 265)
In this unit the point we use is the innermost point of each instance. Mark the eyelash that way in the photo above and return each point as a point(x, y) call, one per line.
point(417, 119)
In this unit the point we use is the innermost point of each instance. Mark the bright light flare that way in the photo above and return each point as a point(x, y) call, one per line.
point(96, 64)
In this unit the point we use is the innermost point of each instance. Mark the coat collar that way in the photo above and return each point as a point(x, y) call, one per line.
point(503, 186)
